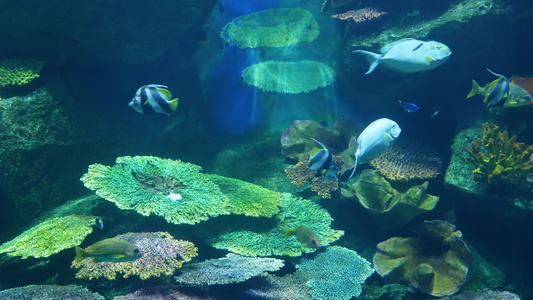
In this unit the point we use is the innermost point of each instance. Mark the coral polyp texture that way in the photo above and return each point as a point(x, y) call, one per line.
point(279, 27)
point(164, 292)
point(288, 77)
point(300, 174)
point(50, 237)
point(49, 292)
point(271, 240)
point(404, 162)
point(247, 198)
point(497, 157)
point(19, 72)
point(150, 185)
point(162, 256)
point(230, 269)
point(360, 15)
point(436, 262)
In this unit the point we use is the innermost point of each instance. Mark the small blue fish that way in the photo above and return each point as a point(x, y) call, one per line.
point(99, 223)
point(435, 114)
point(409, 107)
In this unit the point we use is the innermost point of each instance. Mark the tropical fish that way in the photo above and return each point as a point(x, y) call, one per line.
point(154, 98)
point(99, 223)
point(304, 234)
point(436, 113)
point(374, 140)
point(409, 107)
point(494, 92)
point(518, 96)
point(115, 250)
point(408, 56)
point(322, 160)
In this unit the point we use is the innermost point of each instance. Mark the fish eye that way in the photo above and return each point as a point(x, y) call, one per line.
point(136, 251)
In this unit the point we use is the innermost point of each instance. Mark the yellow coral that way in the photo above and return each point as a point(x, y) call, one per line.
point(19, 72)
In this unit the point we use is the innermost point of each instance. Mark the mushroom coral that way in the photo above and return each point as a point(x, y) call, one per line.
point(168, 188)
point(436, 262)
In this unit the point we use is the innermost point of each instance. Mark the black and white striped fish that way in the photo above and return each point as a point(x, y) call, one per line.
point(322, 160)
point(154, 98)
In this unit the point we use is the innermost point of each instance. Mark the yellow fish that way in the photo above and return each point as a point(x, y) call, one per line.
point(115, 250)
point(305, 235)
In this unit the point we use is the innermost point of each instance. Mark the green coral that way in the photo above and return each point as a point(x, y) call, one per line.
point(50, 237)
point(168, 188)
point(279, 27)
point(46, 291)
point(272, 241)
point(247, 198)
point(288, 77)
point(19, 72)
point(497, 157)
point(162, 255)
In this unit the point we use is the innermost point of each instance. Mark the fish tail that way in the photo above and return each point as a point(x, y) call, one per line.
point(80, 254)
point(354, 166)
point(373, 59)
point(288, 231)
point(476, 89)
point(174, 104)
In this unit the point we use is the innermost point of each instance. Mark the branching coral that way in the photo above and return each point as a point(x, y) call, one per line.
point(288, 77)
point(360, 15)
point(300, 174)
point(247, 198)
point(49, 292)
point(404, 162)
point(50, 237)
point(271, 28)
point(172, 189)
point(272, 241)
point(162, 256)
point(230, 269)
point(19, 72)
point(497, 157)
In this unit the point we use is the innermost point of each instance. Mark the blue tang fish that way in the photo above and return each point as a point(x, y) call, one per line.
point(115, 250)
point(409, 107)
point(322, 160)
point(154, 98)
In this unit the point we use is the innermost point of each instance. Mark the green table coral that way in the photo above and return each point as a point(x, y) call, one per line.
point(247, 198)
point(150, 185)
point(162, 256)
point(279, 27)
point(272, 241)
point(19, 72)
point(497, 157)
point(50, 237)
point(288, 77)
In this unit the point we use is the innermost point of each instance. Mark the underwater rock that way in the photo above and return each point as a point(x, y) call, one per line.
point(436, 262)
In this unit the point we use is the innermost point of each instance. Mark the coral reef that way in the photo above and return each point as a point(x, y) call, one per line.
point(483, 295)
point(300, 174)
point(497, 157)
point(288, 77)
point(404, 162)
point(172, 189)
point(435, 263)
point(49, 292)
point(162, 256)
point(360, 15)
point(324, 187)
point(230, 269)
point(389, 207)
point(335, 274)
point(50, 237)
point(164, 292)
point(19, 72)
point(247, 198)
point(272, 241)
point(279, 27)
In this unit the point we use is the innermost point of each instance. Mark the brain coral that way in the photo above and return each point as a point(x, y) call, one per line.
point(172, 189)
point(288, 77)
point(50, 237)
point(271, 28)
point(230, 269)
point(272, 241)
point(162, 256)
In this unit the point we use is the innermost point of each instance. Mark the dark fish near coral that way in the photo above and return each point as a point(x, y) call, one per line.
point(154, 98)
point(115, 250)
point(99, 223)
point(322, 160)
point(409, 107)
point(304, 234)
point(494, 92)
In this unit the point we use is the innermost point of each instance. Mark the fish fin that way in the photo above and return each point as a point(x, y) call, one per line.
point(476, 89)
point(165, 92)
point(354, 166)
point(496, 74)
point(147, 102)
point(288, 231)
point(80, 254)
point(314, 151)
point(321, 145)
point(373, 59)
point(429, 59)
point(174, 104)
point(95, 260)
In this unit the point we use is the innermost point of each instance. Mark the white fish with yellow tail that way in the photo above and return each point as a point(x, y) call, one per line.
point(408, 56)
point(374, 140)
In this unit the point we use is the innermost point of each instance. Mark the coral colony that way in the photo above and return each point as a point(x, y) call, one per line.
point(360, 15)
